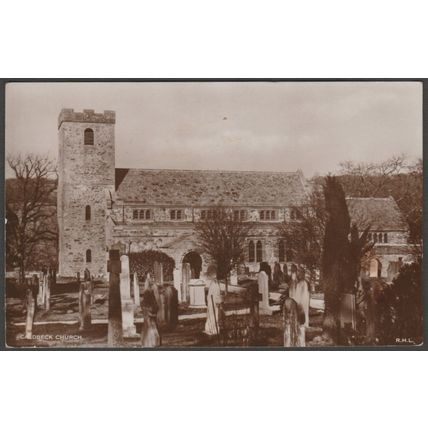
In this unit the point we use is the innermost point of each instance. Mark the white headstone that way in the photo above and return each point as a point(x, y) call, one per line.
point(136, 291)
point(177, 282)
point(197, 293)
point(128, 326)
point(125, 282)
point(263, 282)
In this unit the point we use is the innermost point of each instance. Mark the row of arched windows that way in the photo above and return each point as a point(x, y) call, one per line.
point(378, 237)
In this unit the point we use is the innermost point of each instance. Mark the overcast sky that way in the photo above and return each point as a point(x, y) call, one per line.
point(238, 126)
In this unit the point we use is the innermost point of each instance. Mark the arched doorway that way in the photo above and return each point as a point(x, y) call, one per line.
point(195, 263)
point(191, 269)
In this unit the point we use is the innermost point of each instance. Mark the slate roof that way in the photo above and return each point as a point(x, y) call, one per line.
point(199, 188)
point(380, 213)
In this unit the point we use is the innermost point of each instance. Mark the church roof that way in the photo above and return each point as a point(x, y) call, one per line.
point(199, 188)
point(379, 213)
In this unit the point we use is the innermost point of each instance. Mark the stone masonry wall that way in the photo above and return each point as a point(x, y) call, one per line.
point(86, 177)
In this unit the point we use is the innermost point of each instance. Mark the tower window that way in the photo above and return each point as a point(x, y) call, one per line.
point(87, 212)
point(88, 256)
point(385, 238)
point(135, 215)
point(89, 137)
point(259, 252)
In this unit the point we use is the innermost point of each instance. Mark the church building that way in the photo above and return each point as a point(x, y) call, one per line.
point(101, 207)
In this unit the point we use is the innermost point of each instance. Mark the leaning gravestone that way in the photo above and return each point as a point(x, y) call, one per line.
point(126, 301)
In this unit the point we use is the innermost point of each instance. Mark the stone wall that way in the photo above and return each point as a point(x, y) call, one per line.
point(86, 177)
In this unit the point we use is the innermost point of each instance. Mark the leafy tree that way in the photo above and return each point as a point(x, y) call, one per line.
point(405, 298)
point(222, 236)
point(394, 177)
point(30, 208)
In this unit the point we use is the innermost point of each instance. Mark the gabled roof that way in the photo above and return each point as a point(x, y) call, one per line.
point(199, 188)
point(380, 213)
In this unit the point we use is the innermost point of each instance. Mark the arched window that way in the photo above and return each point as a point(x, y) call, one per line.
point(87, 212)
point(281, 250)
point(147, 214)
point(88, 256)
point(89, 137)
point(385, 238)
point(259, 252)
point(380, 237)
point(375, 237)
point(135, 215)
point(141, 214)
point(251, 252)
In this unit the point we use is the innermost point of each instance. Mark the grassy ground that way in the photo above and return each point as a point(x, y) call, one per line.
point(65, 309)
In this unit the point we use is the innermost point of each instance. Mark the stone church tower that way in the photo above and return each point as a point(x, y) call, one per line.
point(86, 167)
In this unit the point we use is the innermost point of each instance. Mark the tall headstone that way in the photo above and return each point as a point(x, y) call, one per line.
point(84, 306)
point(263, 287)
point(126, 301)
point(171, 297)
point(348, 311)
point(177, 283)
point(30, 303)
point(40, 291)
point(115, 334)
point(47, 293)
point(150, 337)
point(186, 276)
point(136, 290)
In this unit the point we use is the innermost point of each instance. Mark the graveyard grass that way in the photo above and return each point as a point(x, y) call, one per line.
point(59, 327)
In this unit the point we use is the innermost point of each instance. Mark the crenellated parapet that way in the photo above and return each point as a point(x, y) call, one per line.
point(89, 116)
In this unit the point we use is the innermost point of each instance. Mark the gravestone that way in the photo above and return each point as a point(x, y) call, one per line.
point(263, 287)
point(30, 303)
point(171, 298)
point(115, 335)
point(197, 293)
point(126, 301)
point(253, 299)
point(47, 293)
point(177, 283)
point(84, 306)
point(161, 304)
point(40, 291)
point(150, 337)
point(348, 311)
point(136, 291)
point(375, 268)
point(294, 328)
point(89, 284)
point(186, 275)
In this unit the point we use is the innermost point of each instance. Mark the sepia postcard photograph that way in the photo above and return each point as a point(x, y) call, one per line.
point(213, 214)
